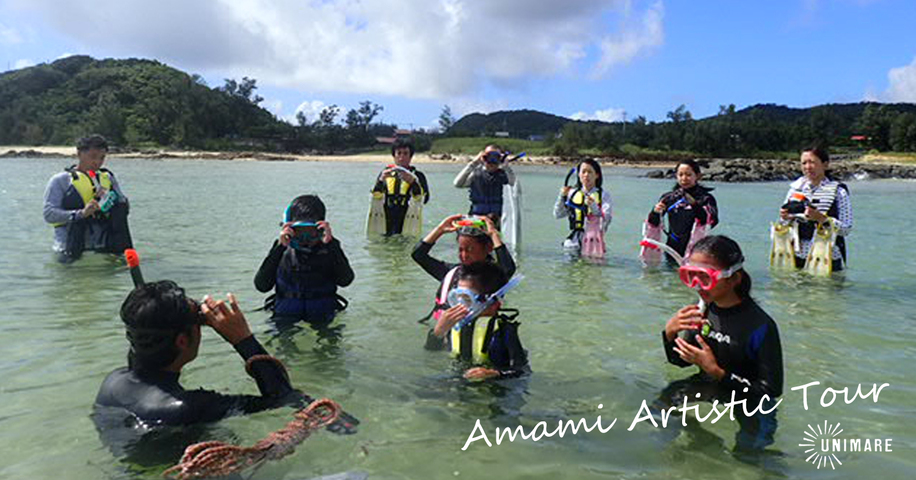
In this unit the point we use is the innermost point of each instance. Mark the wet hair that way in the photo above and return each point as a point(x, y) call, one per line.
point(154, 314)
point(819, 150)
point(94, 141)
point(306, 208)
point(726, 253)
point(592, 163)
point(402, 143)
point(484, 277)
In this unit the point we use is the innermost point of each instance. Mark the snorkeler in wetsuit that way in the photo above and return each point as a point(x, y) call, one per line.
point(735, 343)
point(489, 344)
point(305, 265)
point(475, 244)
point(164, 330)
point(400, 183)
point(687, 204)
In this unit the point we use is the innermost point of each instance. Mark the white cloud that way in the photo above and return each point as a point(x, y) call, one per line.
point(902, 84)
point(9, 35)
point(606, 115)
point(23, 63)
point(635, 38)
point(420, 49)
point(311, 109)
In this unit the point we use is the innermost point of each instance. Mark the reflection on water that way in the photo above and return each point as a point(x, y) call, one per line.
point(592, 330)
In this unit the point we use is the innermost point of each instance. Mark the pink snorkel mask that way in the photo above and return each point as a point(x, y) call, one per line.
point(705, 278)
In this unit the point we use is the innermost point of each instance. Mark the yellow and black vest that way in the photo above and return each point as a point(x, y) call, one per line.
point(578, 208)
point(83, 189)
point(397, 191)
point(472, 342)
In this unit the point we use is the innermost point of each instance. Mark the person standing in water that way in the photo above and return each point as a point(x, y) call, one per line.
point(733, 341)
point(86, 206)
point(305, 266)
point(399, 185)
point(816, 198)
point(588, 207)
point(690, 207)
point(478, 239)
point(485, 177)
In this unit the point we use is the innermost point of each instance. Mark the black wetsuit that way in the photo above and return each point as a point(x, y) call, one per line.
point(745, 342)
point(683, 211)
point(156, 397)
point(503, 346)
point(307, 282)
point(396, 205)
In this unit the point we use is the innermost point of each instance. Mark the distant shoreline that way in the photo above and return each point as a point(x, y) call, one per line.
point(724, 170)
point(420, 158)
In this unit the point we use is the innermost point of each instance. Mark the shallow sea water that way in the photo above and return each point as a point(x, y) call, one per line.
point(592, 331)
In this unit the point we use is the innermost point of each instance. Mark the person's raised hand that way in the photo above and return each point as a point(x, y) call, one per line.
point(449, 319)
point(687, 318)
point(286, 234)
point(328, 236)
point(228, 320)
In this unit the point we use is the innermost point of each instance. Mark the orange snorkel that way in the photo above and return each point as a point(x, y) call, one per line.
point(133, 263)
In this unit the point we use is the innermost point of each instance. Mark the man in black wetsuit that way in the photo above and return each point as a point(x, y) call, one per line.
point(164, 330)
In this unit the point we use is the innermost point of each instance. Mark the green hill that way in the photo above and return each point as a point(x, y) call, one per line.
point(131, 101)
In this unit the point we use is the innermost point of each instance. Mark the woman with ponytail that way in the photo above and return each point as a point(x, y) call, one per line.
point(730, 338)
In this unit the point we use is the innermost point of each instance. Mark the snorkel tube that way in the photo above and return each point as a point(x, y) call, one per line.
point(655, 244)
point(492, 299)
point(133, 263)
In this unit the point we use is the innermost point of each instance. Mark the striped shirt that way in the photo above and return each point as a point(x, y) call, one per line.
point(820, 197)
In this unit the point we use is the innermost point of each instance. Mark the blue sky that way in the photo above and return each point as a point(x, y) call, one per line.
point(582, 58)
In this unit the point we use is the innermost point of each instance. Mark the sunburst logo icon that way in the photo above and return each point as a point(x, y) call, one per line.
point(822, 457)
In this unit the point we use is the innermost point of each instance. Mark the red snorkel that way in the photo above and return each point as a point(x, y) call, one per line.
point(133, 263)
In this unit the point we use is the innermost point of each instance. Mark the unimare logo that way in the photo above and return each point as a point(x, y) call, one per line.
point(822, 445)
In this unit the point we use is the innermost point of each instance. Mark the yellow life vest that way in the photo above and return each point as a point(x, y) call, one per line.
point(86, 187)
point(397, 191)
point(578, 213)
point(473, 337)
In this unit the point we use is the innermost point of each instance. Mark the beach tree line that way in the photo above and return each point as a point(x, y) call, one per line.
point(139, 103)
point(731, 132)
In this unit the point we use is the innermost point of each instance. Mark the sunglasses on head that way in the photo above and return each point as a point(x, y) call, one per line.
point(705, 278)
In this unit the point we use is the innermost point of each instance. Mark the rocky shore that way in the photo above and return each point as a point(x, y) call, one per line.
point(765, 170)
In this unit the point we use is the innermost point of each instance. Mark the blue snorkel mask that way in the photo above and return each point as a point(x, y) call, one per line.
point(306, 234)
point(478, 302)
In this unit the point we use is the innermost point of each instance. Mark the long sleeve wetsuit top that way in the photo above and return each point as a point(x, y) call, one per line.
point(745, 342)
point(156, 397)
point(439, 269)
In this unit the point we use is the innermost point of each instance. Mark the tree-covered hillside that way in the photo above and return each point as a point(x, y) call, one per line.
point(130, 101)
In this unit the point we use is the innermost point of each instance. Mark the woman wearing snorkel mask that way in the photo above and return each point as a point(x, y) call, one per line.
point(306, 264)
point(733, 342)
point(588, 207)
point(478, 238)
